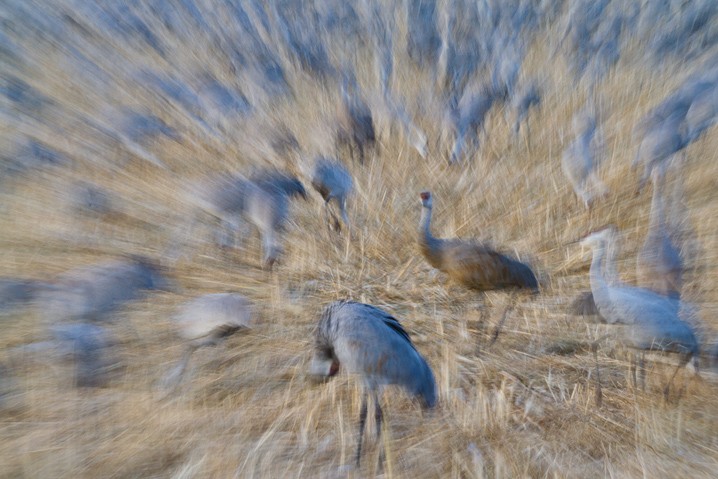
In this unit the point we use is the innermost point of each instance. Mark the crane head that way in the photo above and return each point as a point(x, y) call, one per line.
point(426, 200)
point(600, 237)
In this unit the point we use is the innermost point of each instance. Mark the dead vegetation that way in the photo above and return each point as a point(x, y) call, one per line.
point(523, 407)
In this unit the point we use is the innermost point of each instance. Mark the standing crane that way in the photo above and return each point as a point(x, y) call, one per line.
point(354, 119)
point(578, 161)
point(373, 345)
point(658, 264)
point(472, 264)
point(652, 319)
point(206, 321)
point(334, 182)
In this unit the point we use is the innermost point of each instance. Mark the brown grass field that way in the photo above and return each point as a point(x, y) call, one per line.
point(523, 407)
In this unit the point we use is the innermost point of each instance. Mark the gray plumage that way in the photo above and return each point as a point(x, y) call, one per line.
point(207, 320)
point(88, 344)
point(262, 200)
point(423, 39)
point(334, 182)
point(468, 118)
point(703, 112)
point(578, 160)
point(522, 103)
point(652, 320)
point(15, 293)
point(371, 344)
point(355, 126)
point(267, 208)
point(93, 293)
point(659, 145)
point(91, 200)
point(658, 264)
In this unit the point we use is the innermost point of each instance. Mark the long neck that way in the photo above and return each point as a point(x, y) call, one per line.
point(599, 286)
point(656, 221)
point(429, 244)
point(610, 273)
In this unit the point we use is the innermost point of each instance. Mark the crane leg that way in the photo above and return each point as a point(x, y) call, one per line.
point(633, 370)
point(379, 417)
point(509, 307)
point(362, 423)
point(668, 386)
point(642, 368)
point(599, 393)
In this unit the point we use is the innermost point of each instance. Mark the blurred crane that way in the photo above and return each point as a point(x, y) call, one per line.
point(658, 264)
point(206, 321)
point(652, 320)
point(94, 292)
point(474, 265)
point(355, 127)
point(373, 345)
point(578, 162)
point(87, 344)
point(334, 182)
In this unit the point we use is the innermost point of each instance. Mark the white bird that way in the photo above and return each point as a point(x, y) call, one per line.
point(371, 344)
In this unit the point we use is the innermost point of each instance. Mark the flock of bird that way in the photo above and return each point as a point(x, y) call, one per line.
point(360, 338)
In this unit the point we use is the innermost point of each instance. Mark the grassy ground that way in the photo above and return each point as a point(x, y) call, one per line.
point(523, 407)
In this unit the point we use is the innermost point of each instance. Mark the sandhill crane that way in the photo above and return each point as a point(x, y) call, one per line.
point(522, 103)
point(423, 39)
point(87, 343)
point(207, 320)
point(94, 292)
point(14, 293)
point(658, 145)
point(703, 112)
point(584, 304)
point(472, 264)
point(658, 264)
point(267, 208)
point(373, 345)
point(468, 118)
point(262, 200)
point(354, 120)
point(578, 162)
point(652, 320)
point(334, 182)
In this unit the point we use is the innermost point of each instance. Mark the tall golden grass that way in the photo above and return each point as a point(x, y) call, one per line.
point(523, 407)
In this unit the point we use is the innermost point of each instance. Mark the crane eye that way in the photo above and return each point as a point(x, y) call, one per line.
point(334, 368)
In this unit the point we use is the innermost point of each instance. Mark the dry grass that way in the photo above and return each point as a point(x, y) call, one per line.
point(521, 408)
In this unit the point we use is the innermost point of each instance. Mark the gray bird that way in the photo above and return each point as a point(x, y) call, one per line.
point(94, 292)
point(522, 103)
point(578, 161)
point(658, 146)
point(355, 126)
point(468, 118)
point(206, 321)
point(652, 320)
point(262, 200)
point(334, 182)
point(15, 293)
point(267, 208)
point(87, 344)
point(371, 344)
point(703, 112)
point(658, 264)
